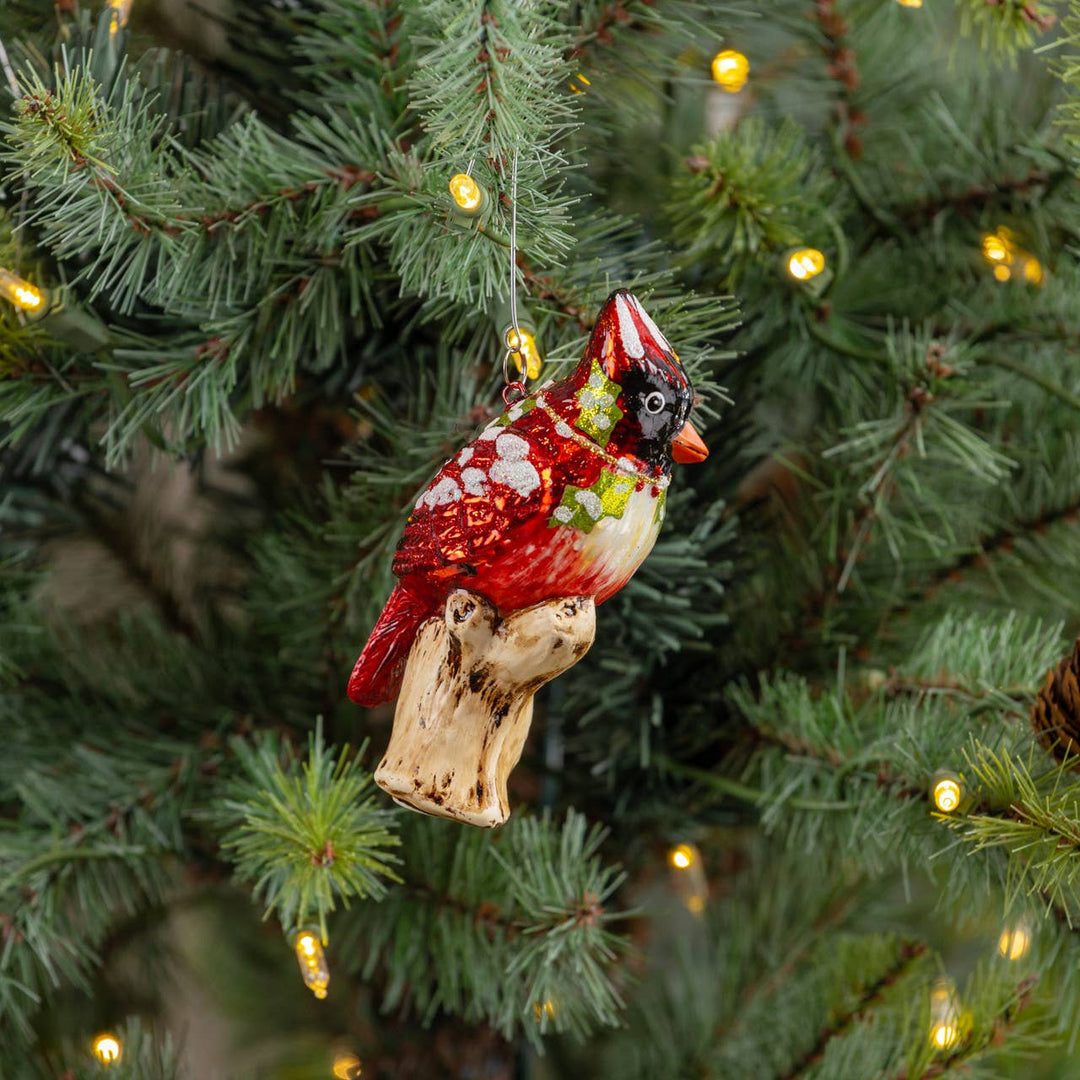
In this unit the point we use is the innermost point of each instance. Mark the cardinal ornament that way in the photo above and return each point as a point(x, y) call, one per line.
point(548, 512)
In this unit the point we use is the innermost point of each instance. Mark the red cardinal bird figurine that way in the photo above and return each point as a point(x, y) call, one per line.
point(563, 495)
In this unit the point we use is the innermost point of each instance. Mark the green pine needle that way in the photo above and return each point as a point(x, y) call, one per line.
point(306, 834)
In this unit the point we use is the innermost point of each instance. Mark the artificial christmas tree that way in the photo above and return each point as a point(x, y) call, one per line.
point(797, 813)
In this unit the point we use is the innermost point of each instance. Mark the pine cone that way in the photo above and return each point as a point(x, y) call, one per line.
point(1055, 715)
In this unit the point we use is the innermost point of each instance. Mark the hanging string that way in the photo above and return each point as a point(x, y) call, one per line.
point(515, 389)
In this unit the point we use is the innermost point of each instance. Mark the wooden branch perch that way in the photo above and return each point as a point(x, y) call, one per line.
point(467, 701)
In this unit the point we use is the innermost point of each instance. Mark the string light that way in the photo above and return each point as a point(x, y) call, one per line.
point(910, 3)
point(730, 69)
point(121, 12)
point(683, 856)
point(19, 292)
point(998, 246)
point(312, 961)
point(467, 194)
point(945, 1018)
point(575, 88)
point(1015, 941)
point(805, 263)
point(544, 1010)
point(944, 1034)
point(347, 1067)
point(946, 791)
point(107, 1049)
point(525, 347)
point(689, 880)
point(1008, 259)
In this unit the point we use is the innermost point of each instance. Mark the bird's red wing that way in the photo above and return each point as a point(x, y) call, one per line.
point(478, 506)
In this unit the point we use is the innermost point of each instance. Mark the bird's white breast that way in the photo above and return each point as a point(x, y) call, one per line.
point(616, 546)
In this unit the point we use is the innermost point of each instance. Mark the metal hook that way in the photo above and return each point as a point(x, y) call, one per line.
point(515, 389)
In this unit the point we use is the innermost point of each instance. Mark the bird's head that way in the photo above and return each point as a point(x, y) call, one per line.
point(633, 394)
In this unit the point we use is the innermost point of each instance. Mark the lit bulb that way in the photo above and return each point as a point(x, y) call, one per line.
point(1014, 942)
point(20, 293)
point(996, 247)
point(544, 1009)
point(347, 1067)
point(466, 193)
point(524, 347)
point(944, 1016)
point(695, 903)
point(944, 1035)
point(805, 263)
point(730, 69)
point(946, 794)
point(1033, 271)
point(121, 11)
point(107, 1049)
point(682, 857)
point(1002, 272)
point(575, 88)
point(312, 961)
point(910, 3)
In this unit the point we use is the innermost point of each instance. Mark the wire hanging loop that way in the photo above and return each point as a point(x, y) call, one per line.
point(515, 388)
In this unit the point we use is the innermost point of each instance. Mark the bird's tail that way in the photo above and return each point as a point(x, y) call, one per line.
point(377, 675)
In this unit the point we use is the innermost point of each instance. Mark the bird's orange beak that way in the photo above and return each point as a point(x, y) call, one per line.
point(687, 447)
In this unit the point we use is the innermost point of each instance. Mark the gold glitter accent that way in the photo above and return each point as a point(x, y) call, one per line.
point(599, 411)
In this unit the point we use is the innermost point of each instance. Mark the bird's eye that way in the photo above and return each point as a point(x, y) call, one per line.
point(654, 402)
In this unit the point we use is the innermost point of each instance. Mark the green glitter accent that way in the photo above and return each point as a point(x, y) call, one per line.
point(527, 405)
point(599, 414)
point(606, 498)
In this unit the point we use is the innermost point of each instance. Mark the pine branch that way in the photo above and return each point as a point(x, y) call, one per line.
point(983, 550)
point(843, 68)
point(305, 836)
point(970, 202)
point(857, 1012)
point(529, 906)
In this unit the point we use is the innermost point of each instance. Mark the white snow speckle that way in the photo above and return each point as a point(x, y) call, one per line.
point(511, 447)
point(563, 428)
point(492, 431)
point(602, 421)
point(587, 399)
point(627, 330)
point(519, 475)
point(445, 491)
point(563, 513)
point(651, 326)
point(474, 481)
point(465, 456)
point(596, 380)
point(591, 502)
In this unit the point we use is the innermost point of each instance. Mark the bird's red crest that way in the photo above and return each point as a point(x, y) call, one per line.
point(624, 338)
